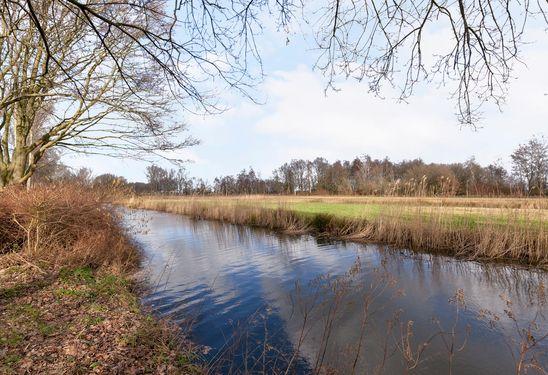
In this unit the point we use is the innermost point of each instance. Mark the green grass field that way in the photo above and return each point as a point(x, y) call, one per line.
point(463, 211)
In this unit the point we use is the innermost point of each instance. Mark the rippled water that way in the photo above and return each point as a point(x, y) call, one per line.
point(266, 302)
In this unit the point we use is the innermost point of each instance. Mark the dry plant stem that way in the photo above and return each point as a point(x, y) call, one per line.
point(516, 238)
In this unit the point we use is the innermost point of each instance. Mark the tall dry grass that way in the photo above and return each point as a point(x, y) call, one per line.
point(512, 237)
point(63, 226)
point(459, 201)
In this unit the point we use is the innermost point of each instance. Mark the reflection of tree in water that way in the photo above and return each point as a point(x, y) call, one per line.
point(320, 310)
point(525, 285)
point(388, 313)
point(521, 282)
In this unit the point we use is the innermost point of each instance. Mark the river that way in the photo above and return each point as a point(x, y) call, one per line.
point(265, 302)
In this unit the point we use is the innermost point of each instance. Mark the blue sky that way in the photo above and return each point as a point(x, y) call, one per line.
point(298, 120)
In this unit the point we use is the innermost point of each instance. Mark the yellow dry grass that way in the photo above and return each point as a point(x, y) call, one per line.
point(476, 228)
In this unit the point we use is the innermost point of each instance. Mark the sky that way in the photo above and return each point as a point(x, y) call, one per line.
point(297, 118)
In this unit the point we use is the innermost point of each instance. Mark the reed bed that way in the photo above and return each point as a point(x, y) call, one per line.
point(477, 202)
point(514, 234)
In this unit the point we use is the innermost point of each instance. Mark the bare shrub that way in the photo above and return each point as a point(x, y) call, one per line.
point(63, 225)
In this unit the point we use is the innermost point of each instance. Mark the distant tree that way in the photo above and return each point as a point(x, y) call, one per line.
point(109, 180)
point(530, 165)
point(320, 168)
point(181, 179)
point(51, 169)
point(225, 185)
point(162, 180)
point(287, 176)
point(139, 187)
point(497, 179)
point(82, 176)
point(337, 181)
point(364, 176)
point(201, 187)
point(155, 175)
point(247, 182)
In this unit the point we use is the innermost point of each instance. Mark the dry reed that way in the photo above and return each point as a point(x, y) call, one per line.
point(517, 237)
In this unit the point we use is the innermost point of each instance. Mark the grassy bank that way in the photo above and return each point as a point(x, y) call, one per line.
point(476, 228)
point(68, 293)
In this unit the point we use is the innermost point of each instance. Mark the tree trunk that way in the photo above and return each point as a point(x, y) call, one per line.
point(17, 169)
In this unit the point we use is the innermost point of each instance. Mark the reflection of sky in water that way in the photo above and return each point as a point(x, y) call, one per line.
point(239, 285)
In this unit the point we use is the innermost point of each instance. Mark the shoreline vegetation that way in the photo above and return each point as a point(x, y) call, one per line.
point(69, 284)
point(486, 229)
point(69, 291)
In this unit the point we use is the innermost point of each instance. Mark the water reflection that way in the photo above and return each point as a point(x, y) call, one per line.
point(265, 302)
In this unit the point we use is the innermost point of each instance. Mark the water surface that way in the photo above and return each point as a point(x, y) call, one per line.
point(267, 302)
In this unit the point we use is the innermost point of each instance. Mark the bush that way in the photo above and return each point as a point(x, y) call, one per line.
point(63, 225)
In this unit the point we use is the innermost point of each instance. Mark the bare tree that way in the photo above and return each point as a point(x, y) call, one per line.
point(109, 73)
point(530, 165)
point(161, 180)
point(50, 169)
point(109, 180)
point(108, 76)
point(384, 41)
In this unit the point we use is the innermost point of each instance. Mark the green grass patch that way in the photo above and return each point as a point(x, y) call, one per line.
point(10, 339)
point(90, 320)
point(449, 216)
point(12, 292)
point(74, 293)
point(77, 275)
point(11, 359)
point(347, 210)
point(46, 329)
point(89, 285)
point(28, 311)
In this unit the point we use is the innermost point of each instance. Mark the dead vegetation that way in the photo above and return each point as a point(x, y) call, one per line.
point(63, 226)
point(68, 298)
point(509, 235)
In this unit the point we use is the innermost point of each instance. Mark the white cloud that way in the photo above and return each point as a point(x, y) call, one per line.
point(299, 121)
point(351, 121)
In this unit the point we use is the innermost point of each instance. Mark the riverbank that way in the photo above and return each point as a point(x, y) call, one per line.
point(69, 294)
point(505, 230)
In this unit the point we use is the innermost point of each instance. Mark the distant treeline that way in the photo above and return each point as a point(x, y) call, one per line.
point(362, 176)
point(367, 176)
